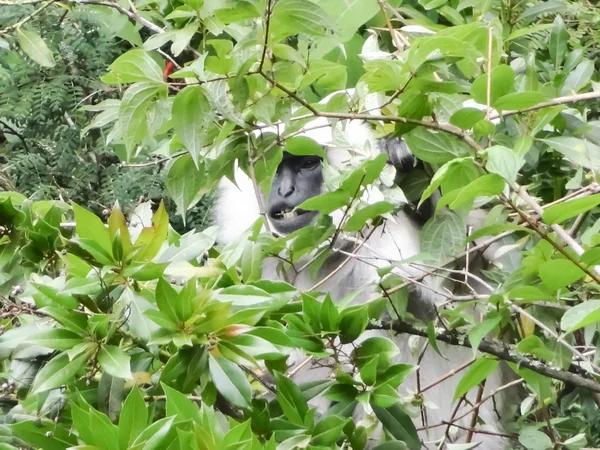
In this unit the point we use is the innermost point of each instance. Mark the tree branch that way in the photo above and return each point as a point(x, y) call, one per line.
point(554, 102)
point(575, 376)
point(264, 50)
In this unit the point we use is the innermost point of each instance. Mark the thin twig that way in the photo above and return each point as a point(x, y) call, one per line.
point(264, 50)
point(575, 98)
point(576, 376)
point(27, 18)
point(489, 75)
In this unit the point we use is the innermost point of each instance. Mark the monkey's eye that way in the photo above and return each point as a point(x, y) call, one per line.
point(310, 163)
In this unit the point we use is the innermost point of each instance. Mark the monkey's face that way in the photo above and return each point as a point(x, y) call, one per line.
point(298, 178)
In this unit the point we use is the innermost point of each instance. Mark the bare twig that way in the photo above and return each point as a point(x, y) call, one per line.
point(27, 18)
point(575, 98)
point(264, 50)
point(391, 30)
point(576, 376)
point(489, 74)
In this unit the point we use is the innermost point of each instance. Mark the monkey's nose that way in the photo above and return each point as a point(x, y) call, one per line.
point(286, 190)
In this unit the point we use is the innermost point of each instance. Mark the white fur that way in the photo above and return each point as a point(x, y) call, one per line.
point(236, 211)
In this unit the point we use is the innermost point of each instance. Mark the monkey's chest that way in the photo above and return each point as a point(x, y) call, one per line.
point(337, 277)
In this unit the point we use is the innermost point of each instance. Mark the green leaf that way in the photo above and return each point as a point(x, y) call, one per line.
point(72, 320)
point(358, 220)
point(135, 65)
point(186, 183)
point(466, 118)
point(230, 381)
point(115, 361)
point(57, 339)
point(502, 83)
point(380, 348)
point(559, 273)
point(565, 210)
point(297, 16)
point(35, 47)
point(155, 436)
point(180, 405)
point(432, 4)
point(435, 147)
point(328, 431)
point(398, 424)
point(283, 51)
point(133, 419)
point(528, 30)
point(559, 37)
point(481, 330)
point(533, 439)
point(89, 226)
point(58, 371)
point(477, 372)
point(504, 162)
point(297, 442)
point(519, 100)
point(581, 152)
point(533, 345)
point(329, 316)
point(432, 338)
point(391, 445)
point(487, 185)
point(304, 146)
point(443, 237)
point(326, 203)
point(368, 372)
point(192, 115)
point(547, 7)
point(44, 435)
point(581, 315)
point(133, 112)
point(291, 400)
point(578, 78)
point(452, 170)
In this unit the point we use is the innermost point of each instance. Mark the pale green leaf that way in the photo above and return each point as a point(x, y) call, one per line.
point(581, 315)
point(477, 372)
point(115, 361)
point(35, 47)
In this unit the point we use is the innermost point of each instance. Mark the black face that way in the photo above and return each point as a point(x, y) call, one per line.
point(298, 178)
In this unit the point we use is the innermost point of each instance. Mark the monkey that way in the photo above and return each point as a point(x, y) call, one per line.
point(299, 178)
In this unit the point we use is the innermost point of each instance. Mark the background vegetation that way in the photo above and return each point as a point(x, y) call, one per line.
point(111, 337)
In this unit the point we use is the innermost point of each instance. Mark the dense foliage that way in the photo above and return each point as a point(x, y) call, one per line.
point(45, 149)
point(131, 335)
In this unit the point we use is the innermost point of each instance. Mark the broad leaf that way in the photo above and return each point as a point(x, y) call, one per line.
point(581, 315)
point(59, 371)
point(35, 47)
point(192, 115)
point(114, 361)
point(230, 381)
point(476, 373)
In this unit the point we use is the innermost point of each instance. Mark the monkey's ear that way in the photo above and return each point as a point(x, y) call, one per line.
point(399, 155)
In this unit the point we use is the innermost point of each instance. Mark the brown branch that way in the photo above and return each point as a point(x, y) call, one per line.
point(133, 16)
point(391, 30)
point(554, 102)
point(27, 18)
point(575, 376)
point(489, 76)
point(476, 410)
point(264, 50)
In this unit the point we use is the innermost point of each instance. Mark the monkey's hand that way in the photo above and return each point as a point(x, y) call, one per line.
point(399, 155)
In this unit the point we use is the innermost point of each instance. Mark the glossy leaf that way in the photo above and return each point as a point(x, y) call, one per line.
point(35, 47)
point(114, 361)
point(230, 381)
point(475, 374)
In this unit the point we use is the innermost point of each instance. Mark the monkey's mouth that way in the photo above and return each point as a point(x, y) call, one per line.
point(287, 213)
